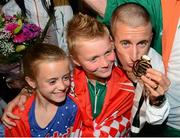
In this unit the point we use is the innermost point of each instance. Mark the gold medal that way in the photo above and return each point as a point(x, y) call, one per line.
point(141, 65)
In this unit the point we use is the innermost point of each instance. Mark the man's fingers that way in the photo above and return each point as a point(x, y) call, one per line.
point(152, 92)
point(7, 122)
point(6, 119)
point(9, 125)
point(22, 101)
point(157, 81)
point(148, 81)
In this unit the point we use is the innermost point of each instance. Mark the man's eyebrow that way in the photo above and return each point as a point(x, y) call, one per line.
point(143, 41)
point(125, 41)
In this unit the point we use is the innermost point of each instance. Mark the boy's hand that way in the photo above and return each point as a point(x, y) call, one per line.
point(156, 84)
point(19, 101)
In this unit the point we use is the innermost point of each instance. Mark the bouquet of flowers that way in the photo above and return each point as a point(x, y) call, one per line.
point(16, 34)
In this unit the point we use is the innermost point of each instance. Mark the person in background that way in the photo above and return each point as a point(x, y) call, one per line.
point(132, 32)
point(2, 2)
point(164, 13)
point(49, 112)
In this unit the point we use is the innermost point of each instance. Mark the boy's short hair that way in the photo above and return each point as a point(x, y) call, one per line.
point(84, 27)
point(130, 14)
point(40, 53)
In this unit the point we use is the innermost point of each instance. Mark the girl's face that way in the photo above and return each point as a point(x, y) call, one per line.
point(52, 80)
point(96, 57)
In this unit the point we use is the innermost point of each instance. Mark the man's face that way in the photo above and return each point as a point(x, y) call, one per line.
point(131, 43)
point(96, 57)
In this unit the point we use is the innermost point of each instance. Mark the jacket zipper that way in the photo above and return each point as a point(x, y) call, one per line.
point(95, 102)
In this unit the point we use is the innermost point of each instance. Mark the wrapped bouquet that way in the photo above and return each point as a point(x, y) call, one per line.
point(16, 34)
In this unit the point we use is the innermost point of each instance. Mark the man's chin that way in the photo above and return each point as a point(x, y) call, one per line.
point(128, 69)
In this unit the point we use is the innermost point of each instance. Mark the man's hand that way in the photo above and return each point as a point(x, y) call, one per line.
point(19, 101)
point(156, 84)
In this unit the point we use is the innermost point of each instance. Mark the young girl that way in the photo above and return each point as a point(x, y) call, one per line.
point(49, 112)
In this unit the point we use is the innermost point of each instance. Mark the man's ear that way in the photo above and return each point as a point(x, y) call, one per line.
point(152, 36)
point(113, 46)
point(75, 61)
point(111, 41)
point(31, 82)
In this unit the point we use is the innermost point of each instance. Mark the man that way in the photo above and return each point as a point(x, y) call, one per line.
point(164, 13)
point(132, 31)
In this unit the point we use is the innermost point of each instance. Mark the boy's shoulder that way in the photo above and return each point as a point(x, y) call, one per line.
point(118, 72)
point(120, 79)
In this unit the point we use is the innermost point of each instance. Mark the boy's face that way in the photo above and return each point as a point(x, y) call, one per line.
point(131, 43)
point(52, 80)
point(96, 57)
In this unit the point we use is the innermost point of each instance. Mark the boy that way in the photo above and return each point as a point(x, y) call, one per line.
point(102, 91)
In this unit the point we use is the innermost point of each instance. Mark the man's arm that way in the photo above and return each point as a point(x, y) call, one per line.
point(157, 103)
point(156, 115)
point(19, 100)
point(98, 6)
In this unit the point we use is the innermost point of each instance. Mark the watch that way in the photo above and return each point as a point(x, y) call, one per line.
point(159, 101)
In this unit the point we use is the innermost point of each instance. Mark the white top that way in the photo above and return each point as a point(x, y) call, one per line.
point(174, 60)
point(174, 75)
point(151, 114)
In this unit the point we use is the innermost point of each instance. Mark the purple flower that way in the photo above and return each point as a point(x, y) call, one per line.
point(33, 27)
point(32, 30)
point(28, 34)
